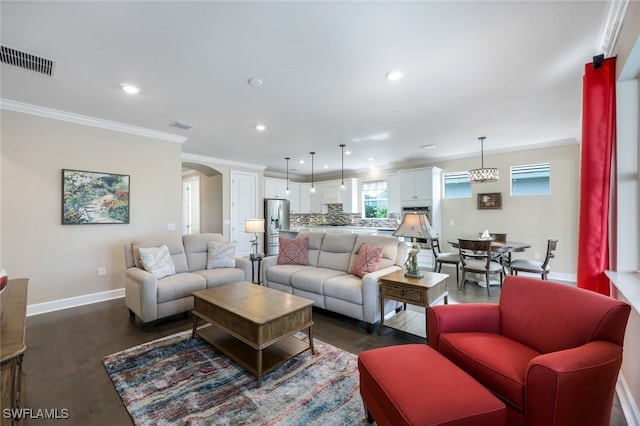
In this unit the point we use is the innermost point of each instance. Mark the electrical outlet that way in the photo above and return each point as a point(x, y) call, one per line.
point(537, 256)
point(102, 271)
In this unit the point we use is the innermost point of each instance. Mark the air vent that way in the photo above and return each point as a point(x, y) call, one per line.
point(27, 61)
point(183, 125)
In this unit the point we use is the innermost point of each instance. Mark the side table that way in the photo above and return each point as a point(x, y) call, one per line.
point(424, 292)
point(255, 259)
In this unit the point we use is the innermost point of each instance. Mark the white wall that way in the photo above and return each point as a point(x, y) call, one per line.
point(61, 261)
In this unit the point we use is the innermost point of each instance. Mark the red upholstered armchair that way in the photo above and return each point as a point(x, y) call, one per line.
point(550, 351)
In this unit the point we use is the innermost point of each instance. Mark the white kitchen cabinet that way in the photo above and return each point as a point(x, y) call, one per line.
point(305, 198)
point(275, 188)
point(294, 197)
point(394, 189)
point(416, 186)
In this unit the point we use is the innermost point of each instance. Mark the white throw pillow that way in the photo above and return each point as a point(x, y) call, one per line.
point(221, 255)
point(157, 260)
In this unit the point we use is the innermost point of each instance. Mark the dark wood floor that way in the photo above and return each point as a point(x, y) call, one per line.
point(63, 362)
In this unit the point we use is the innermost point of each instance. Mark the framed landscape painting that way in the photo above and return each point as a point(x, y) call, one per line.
point(90, 198)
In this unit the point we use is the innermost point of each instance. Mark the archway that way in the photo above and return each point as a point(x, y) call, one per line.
point(205, 206)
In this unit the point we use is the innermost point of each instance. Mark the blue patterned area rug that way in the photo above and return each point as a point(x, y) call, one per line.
point(177, 380)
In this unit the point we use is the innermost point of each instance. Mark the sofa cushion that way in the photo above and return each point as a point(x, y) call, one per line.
point(499, 363)
point(336, 251)
point(344, 287)
point(196, 247)
point(218, 276)
point(313, 248)
point(179, 285)
point(390, 252)
point(367, 260)
point(293, 251)
point(312, 279)
point(172, 241)
point(282, 273)
point(221, 255)
point(157, 260)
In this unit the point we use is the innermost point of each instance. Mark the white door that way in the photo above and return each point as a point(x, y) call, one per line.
point(191, 199)
point(244, 205)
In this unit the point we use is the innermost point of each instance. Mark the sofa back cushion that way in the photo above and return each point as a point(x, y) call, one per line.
point(549, 317)
point(336, 251)
point(393, 252)
point(196, 247)
point(313, 248)
point(173, 243)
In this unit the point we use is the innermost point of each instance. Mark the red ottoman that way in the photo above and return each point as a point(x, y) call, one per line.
point(415, 385)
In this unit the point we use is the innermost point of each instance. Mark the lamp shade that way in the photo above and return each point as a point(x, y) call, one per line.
point(415, 225)
point(254, 225)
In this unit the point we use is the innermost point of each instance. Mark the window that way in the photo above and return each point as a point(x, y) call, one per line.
point(456, 185)
point(375, 198)
point(530, 180)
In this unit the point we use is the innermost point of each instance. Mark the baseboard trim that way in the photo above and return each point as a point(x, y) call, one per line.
point(629, 407)
point(72, 302)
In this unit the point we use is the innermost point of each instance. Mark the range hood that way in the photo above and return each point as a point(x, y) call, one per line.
point(331, 195)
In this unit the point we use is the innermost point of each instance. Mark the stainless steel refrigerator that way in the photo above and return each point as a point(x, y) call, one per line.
point(276, 215)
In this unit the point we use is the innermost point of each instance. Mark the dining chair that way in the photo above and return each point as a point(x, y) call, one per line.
point(475, 256)
point(440, 258)
point(501, 257)
point(536, 266)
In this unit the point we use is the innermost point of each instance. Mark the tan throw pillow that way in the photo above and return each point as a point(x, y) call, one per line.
point(293, 251)
point(368, 260)
point(221, 255)
point(157, 260)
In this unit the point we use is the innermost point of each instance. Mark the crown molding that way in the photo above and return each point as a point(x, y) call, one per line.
point(86, 120)
point(204, 159)
point(614, 16)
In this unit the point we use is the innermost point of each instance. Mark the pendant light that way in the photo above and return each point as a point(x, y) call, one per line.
point(342, 186)
point(287, 158)
point(313, 187)
point(483, 175)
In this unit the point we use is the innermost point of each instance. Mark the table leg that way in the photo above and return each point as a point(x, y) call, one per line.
point(381, 315)
point(313, 351)
point(259, 369)
point(195, 325)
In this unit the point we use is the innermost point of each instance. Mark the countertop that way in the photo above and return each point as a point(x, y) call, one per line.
point(338, 229)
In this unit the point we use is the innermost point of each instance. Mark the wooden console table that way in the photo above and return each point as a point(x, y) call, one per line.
point(12, 336)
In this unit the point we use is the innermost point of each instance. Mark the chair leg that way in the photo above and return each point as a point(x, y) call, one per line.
point(544, 276)
point(488, 284)
point(457, 272)
point(461, 283)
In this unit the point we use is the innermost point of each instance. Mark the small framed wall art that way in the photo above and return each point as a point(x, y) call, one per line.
point(490, 200)
point(91, 198)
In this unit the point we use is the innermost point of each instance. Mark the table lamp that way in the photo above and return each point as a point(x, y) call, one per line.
point(414, 225)
point(255, 226)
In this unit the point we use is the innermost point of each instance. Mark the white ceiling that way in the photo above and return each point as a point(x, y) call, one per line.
point(510, 71)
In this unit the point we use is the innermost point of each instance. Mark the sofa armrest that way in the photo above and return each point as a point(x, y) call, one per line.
point(245, 265)
point(267, 262)
point(573, 386)
point(141, 293)
point(467, 317)
point(371, 293)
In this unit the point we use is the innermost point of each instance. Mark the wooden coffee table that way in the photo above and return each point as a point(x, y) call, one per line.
point(253, 325)
point(425, 292)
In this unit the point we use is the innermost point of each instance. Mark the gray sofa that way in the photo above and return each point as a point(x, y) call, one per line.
point(150, 298)
point(328, 279)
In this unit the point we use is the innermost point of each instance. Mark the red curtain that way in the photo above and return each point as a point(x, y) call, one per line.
point(598, 138)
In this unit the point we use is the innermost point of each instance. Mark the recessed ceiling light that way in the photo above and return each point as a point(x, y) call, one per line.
point(326, 166)
point(394, 75)
point(129, 88)
point(347, 152)
point(261, 127)
point(301, 161)
point(370, 159)
point(255, 82)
